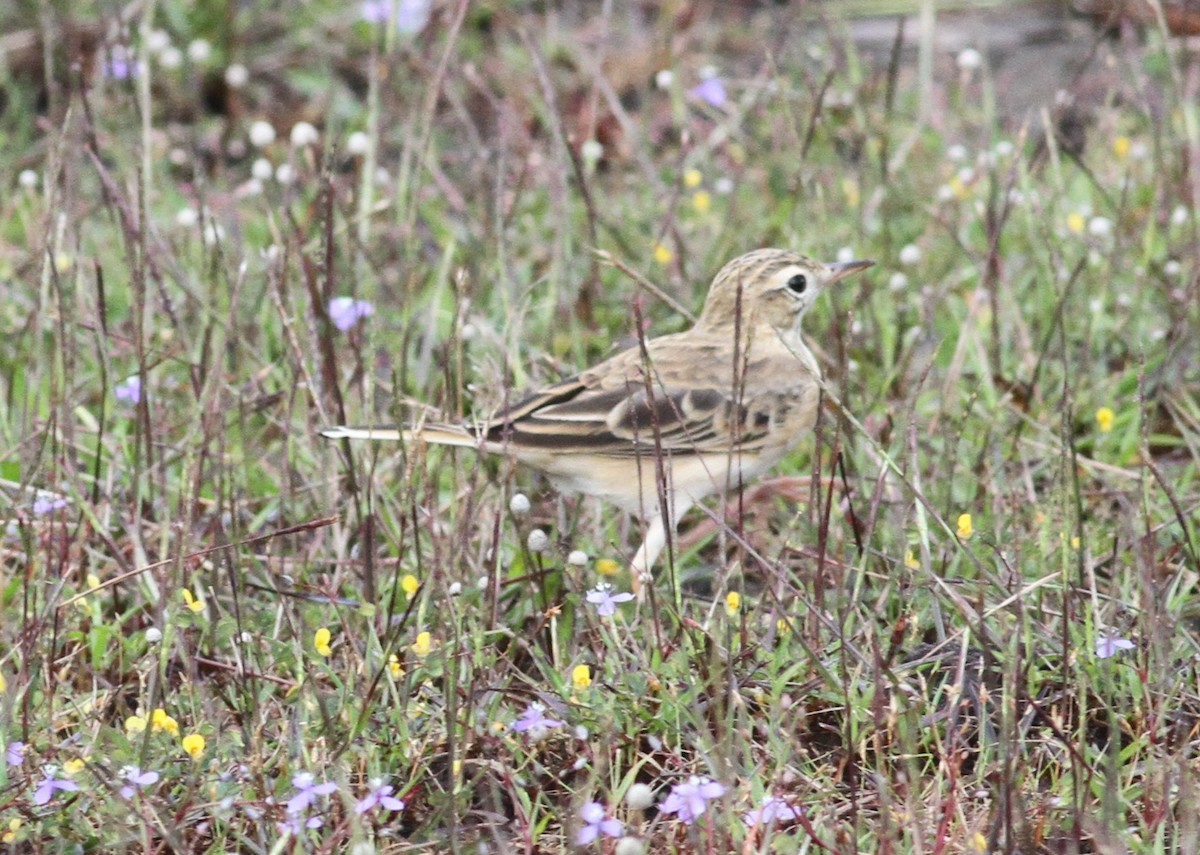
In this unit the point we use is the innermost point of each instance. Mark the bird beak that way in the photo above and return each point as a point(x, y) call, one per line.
point(842, 269)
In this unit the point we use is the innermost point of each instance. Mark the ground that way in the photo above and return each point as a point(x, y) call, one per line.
point(960, 619)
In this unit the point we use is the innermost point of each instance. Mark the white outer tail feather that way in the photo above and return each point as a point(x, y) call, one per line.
point(343, 432)
point(438, 435)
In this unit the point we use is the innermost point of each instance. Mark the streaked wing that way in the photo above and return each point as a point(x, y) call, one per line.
point(575, 417)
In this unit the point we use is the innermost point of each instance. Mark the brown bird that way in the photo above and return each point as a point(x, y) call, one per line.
point(656, 429)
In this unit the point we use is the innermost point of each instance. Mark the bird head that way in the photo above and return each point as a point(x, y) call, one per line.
point(774, 287)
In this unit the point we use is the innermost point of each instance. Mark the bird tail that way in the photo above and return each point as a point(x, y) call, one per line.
point(434, 434)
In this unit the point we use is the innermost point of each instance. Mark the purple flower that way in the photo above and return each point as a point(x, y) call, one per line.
point(380, 795)
point(135, 779)
point(14, 755)
point(46, 505)
point(121, 65)
point(595, 823)
point(1111, 645)
point(689, 799)
point(605, 601)
point(296, 823)
point(773, 810)
point(345, 312)
point(711, 91)
point(129, 390)
point(411, 15)
point(49, 785)
point(534, 717)
point(307, 792)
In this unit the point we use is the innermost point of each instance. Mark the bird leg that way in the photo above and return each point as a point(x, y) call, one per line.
point(655, 541)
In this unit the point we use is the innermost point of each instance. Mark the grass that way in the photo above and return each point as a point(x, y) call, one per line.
point(905, 677)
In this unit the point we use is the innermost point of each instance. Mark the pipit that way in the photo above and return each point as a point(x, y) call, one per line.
point(662, 425)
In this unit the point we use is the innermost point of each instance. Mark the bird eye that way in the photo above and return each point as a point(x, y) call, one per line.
point(798, 284)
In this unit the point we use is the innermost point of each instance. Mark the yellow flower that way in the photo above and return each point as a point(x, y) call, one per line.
point(701, 201)
point(782, 626)
point(3, 684)
point(958, 188)
point(1075, 223)
point(662, 255)
point(73, 767)
point(979, 842)
point(423, 645)
point(194, 603)
point(14, 825)
point(851, 192)
point(608, 567)
point(409, 585)
point(965, 527)
point(161, 721)
point(394, 667)
point(733, 602)
point(135, 724)
point(321, 641)
point(692, 178)
point(1121, 146)
point(910, 561)
point(63, 262)
point(194, 744)
point(1075, 542)
point(581, 676)
point(1104, 419)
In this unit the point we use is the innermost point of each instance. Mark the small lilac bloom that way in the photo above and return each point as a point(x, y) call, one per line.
point(605, 601)
point(595, 823)
point(135, 779)
point(711, 91)
point(376, 11)
point(1111, 645)
point(534, 716)
point(45, 505)
point(49, 785)
point(296, 823)
point(121, 64)
point(380, 795)
point(345, 312)
point(307, 792)
point(129, 390)
point(689, 799)
point(411, 15)
point(14, 755)
point(774, 809)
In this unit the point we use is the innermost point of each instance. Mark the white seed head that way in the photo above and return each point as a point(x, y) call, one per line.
point(910, 254)
point(304, 134)
point(157, 41)
point(199, 51)
point(537, 541)
point(262, 134)
point(639, 797)
point(170, 57)
point(969, 59)
point(237, 76)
